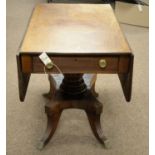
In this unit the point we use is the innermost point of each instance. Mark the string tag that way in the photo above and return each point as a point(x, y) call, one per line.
point(46, 60)
point(49, 64)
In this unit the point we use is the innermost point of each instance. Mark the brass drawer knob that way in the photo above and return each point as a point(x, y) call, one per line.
point(49, 65)
point(102, 63)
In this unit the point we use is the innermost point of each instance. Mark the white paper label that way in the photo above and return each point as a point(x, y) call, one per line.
point(45, 59)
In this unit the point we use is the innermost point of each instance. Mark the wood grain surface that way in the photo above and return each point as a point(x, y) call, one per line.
point(74, 28)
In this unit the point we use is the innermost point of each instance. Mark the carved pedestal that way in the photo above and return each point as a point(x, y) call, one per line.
point(72, 93)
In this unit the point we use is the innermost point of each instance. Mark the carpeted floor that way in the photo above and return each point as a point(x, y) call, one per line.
point(125, 124)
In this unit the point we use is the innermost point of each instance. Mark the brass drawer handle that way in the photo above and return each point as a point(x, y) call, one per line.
point(49, 65)
point(102, 63)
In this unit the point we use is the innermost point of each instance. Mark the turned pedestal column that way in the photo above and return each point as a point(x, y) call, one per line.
point(72, 93)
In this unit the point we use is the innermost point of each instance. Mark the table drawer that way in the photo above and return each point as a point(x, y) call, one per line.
point(72, 64)
point(78, 65)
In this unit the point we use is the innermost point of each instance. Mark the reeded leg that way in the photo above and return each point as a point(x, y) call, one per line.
point(51, 128)
point(94, 120)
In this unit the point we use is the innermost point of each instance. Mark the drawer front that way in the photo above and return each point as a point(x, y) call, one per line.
point(78, 65)
point(114, 64)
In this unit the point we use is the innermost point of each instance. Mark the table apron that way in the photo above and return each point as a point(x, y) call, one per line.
point(77, 64)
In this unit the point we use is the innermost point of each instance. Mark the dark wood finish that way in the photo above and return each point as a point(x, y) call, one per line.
point(124, 62)
point(23, 80)
point(27, 66)
point(53, 116)
point(73, 85)
point(126, 79)
point(91, 39)
point(81, 98)
point(72, 64)
point(94, 34)
point(95, 124)
point(53, 85)
point(78, 65)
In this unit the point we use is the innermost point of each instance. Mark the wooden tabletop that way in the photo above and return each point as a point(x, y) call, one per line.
point(74, 28)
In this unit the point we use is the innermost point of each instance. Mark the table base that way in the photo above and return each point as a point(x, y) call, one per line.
point(72, 93)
